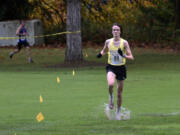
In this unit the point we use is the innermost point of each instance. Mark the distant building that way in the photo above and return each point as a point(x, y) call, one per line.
point(8, 29)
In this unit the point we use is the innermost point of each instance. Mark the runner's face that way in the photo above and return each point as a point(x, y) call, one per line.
point(22, 23)
point(116, 31)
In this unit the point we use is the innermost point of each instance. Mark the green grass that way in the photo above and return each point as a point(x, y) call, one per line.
point(75, 106)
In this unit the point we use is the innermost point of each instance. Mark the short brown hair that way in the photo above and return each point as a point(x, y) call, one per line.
point(119, 25)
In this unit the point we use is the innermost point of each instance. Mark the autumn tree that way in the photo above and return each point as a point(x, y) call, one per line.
point(15, 9)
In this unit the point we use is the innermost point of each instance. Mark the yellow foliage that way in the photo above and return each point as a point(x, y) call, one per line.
point(123, 11)
point(148, 4)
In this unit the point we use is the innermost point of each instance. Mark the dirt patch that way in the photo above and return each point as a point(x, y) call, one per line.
point(77, 64)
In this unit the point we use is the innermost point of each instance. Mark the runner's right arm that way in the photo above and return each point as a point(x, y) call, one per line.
point(18, 30)
point(103, 51)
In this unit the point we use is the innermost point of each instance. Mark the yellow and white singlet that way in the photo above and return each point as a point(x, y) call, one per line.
point(114, 58)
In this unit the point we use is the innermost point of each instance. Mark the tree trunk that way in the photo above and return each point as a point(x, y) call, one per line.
point(177, 27)
point(177, 14)
point(73, 24)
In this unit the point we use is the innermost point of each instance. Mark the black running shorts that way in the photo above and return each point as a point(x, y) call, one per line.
point(21, 43)
point(119, 71)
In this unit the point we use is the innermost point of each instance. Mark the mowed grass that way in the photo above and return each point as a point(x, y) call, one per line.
point(75, 106)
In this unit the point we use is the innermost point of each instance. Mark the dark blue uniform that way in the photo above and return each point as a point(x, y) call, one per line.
point(22, 39)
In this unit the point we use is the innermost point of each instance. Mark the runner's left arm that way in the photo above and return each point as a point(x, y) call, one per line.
point(128, 51)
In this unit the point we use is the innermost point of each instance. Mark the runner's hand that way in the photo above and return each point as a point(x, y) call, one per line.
point(99, 55)
point(120, 52)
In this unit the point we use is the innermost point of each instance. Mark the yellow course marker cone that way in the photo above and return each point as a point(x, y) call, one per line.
point(40, 117)
point(73, 73)
point(41, 99)
point(58, 80)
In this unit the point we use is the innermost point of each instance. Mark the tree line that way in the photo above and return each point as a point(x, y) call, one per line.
point(157, 20)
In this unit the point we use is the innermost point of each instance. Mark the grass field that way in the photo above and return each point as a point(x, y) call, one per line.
point(75, 106)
